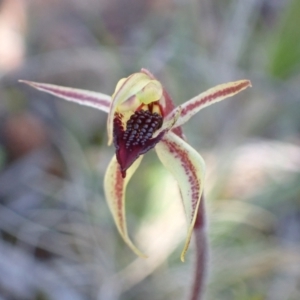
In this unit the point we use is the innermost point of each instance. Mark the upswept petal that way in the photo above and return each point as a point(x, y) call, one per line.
point(115, 188)
point(169, 121)
point(213, 95)
point(126, 89)
point(188, 168)
point(83, 97)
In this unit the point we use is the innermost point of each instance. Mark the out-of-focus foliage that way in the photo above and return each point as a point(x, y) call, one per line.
point(284, 58)
point(58, 240)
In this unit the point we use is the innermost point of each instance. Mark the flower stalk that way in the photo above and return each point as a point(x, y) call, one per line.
point(201, 254)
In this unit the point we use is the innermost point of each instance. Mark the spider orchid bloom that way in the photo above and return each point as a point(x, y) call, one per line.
point(142, 116)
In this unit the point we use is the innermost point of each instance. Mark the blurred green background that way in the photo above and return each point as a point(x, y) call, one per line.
point(57, 237)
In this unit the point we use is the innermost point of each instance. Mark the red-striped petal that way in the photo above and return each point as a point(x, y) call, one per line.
point(211, 96)
point(88, 98)
point(115, 188)
point(188, 168)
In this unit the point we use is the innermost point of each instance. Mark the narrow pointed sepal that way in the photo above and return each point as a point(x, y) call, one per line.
point(188, 168)
point(115, 188)
point(88, 98)
point(211, 96)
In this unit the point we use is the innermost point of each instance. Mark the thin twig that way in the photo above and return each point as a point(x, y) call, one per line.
point(201, 253)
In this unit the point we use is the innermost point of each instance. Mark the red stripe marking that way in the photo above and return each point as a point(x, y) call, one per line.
point(168, 109)
point(118, 190)
point(75, 95)
point(211, 97)
point(189, 170)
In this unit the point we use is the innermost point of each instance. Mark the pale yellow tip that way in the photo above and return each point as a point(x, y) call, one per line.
point(109, 141)
point(24, 81)
point(182, 256)
point(27, 82)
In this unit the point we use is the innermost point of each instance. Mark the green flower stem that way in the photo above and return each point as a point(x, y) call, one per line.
point(201, 253)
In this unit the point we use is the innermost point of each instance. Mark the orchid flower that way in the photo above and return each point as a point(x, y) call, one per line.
point(142, 116)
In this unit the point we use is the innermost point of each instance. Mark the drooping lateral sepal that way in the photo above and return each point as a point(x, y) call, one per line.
point(88, 98)
point(188, 168)
point(115, 188)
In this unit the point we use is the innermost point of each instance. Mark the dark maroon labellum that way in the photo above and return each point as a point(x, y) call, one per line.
point(136, 138)
point(140, 128)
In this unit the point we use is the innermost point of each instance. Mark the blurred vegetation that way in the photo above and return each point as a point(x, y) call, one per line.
point(58, 240)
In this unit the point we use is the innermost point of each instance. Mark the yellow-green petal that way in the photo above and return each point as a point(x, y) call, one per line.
point(150, 93)
point(169, 121)
point(188, 168)
point(115, 188)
